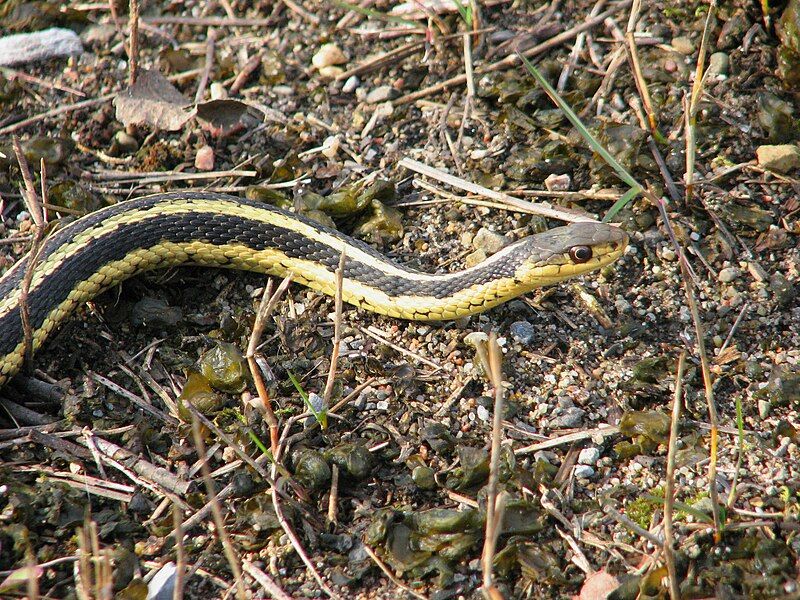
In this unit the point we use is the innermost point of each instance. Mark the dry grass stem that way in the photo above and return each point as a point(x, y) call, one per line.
point(265, 581)
point(295, 541)
point(709, 392)
point(386, 571)
point(216, 511)
point(265, 308)
point(36, 211)
point(180, 553)
point(544, 210)
point(333, 498)
point(337, 333)
point(669, 487)
point(494, 503)
point(692, 106)
point(133, 42)
point(635, 528)
point(208, 64)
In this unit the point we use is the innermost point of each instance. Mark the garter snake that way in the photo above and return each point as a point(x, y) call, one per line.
point(106, 247)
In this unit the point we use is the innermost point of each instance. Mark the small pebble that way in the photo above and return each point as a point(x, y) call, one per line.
point(780, 158)
point(328, 55)
point(204, 159)
point(764, 406)
point(483, 413)
point(570, 418)
point(729, 274)
point(523, 332)
point(668, 254)
point(489, 241)
point(584, 471)
point(351, 84)
point(382, 405)
point(589, 456)
point(558, 183)
point(718, 64)
point(683, 45)
point(383, 93)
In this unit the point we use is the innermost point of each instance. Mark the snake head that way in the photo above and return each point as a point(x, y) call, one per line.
point(569, 251)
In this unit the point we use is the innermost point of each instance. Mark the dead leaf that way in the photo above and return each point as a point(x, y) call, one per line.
point(153, 101)
point(597, 586)
point(224, 117)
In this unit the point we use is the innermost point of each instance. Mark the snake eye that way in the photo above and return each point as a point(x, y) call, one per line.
point(580, 254)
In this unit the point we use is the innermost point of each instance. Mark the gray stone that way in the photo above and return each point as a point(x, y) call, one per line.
point(584, 471)
point(382, 93)
point(572, 417)
point(23, 48)
point(718, 64)
point(489, 241)
point(589, 456)
point(728, 274)
point(523, 332)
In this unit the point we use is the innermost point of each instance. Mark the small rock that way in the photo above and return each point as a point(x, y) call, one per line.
point(489, 241)
point(668, 254)
point(683, 45)
point(23, 48)
point(764, 406)
point(483, 413)
point(558, 183)
point(523, 332)
point(330, 72)
point(571, 418)
point(328, 55)
point(718, 64)
point(584, 471)
point(382, 405)
point(351, 84)
point(124, 143)
point(474, 258)
point(589, 456)
point(729, 274)
point(383, 93)
point(780, 158)
point(162, 585)
point(204, 159)
point(99, 34)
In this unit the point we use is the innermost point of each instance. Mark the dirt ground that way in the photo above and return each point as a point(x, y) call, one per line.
point(314, 106)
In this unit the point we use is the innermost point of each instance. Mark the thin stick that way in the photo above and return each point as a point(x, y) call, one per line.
point(669, 487)
point(265, 581)
point(543, 209)
point(635, 528)
point(333, 498)
point(37, 214)
point(180, 553)
point(337, 333)
point(133, 42)
point(216, 511)
point(691, 108)
point(494, 505)
point(709, 392)
point(211, 38)
point(298, 547)
point(391, 575)
point(265, 309)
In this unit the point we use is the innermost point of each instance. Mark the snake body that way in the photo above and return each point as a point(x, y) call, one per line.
point(108, 246)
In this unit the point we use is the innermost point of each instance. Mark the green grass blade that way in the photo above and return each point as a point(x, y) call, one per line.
point(322, 415)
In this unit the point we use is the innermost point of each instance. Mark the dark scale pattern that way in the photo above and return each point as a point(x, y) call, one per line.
point(217, 229)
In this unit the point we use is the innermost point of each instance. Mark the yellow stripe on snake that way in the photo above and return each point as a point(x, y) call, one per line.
point(106, 247)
